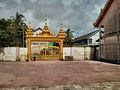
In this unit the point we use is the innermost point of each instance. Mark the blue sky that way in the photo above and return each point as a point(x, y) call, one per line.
point(78, 15)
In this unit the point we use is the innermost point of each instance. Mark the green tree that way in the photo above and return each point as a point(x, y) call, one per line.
point(19, 28)
point(68, 38)
point(12, 31)
point(6, 34)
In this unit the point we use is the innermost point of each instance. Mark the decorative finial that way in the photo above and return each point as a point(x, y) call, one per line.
point(29, 26)
point(46, 21)
point(29, 23)
point(61, 26)
point(46, 26)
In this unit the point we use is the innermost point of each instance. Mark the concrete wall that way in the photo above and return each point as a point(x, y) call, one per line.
point(78, 53)
point(9, 53)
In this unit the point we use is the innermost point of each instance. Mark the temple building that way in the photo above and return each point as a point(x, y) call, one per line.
point(108, 23)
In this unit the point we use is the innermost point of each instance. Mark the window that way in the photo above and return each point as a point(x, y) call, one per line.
point(90, 41)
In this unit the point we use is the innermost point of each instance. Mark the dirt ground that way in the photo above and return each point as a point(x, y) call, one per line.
point(52, 73)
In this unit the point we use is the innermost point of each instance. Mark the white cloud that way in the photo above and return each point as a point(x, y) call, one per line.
point(18, 1)
point(75, 14)
point(2, 5)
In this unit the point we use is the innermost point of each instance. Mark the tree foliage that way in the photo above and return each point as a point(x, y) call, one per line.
point(68, 37)
point(12, 31)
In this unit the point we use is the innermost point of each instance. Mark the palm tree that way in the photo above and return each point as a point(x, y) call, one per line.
point(20, 28)
point(68, 39)
point(12, 28)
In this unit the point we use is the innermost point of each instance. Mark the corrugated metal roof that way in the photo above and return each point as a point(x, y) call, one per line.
point(85, 36)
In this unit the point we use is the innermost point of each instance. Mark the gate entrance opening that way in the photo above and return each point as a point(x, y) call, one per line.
point(46, 52)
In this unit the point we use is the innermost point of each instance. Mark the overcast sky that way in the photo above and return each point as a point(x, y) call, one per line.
point(78, 15)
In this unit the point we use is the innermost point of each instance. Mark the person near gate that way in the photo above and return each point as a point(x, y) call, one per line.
point(34, 56)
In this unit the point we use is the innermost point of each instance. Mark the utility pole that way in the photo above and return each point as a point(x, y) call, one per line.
point(99, 42)
point(17, 49)
point(23, 36)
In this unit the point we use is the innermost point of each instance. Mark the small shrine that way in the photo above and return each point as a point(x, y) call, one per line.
point(48, 52)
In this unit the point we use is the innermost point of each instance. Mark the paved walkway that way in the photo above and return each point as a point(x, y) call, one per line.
point(51, 73)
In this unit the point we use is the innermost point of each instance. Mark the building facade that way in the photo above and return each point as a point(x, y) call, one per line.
point(90, 39)
point(108, 24)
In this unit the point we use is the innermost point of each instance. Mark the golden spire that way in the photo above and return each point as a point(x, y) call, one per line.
point(61, 32)
point(61, 29)
point(29, 27)
point(60, 25)
point(29, 30)
point(46, 27)
point(45, 21)
point(29, 23)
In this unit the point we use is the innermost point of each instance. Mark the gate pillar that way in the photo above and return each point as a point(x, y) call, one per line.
point(28, 39)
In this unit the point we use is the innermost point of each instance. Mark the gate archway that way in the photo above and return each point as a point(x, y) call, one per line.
point(47, 52)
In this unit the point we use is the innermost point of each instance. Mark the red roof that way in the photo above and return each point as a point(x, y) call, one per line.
point(103, 13)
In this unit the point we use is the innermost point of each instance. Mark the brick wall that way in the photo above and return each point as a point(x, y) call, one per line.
point(110, 43)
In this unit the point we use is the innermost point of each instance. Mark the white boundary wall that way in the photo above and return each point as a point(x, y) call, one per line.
point(78, 53)
point(9, 53)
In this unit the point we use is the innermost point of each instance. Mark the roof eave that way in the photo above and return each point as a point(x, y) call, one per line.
point(103, 13)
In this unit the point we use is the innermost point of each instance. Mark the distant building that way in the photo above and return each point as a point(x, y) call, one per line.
point(35, 43)
point(108, 23)
point(37, 31)
point(88, 39)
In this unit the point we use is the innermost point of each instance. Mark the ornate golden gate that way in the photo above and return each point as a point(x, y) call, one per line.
point(46, 53)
